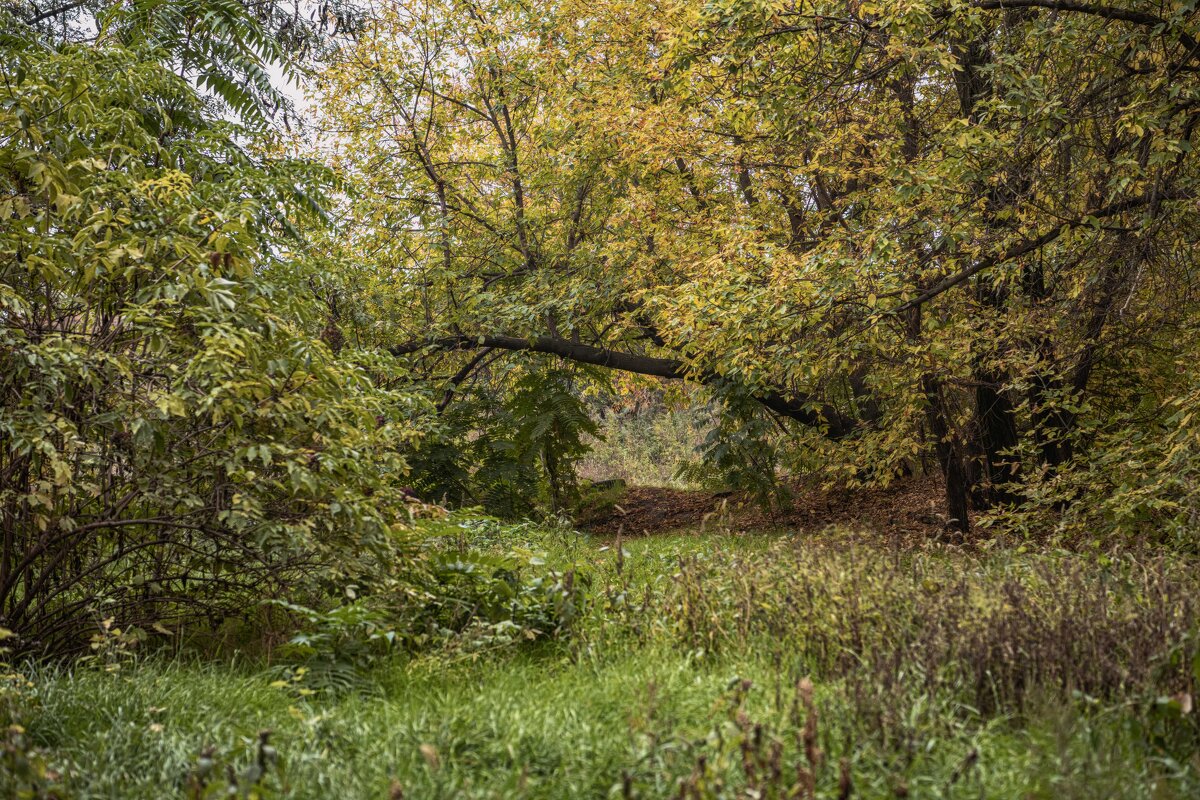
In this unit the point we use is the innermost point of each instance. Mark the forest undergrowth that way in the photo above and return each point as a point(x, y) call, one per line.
point(715, 665)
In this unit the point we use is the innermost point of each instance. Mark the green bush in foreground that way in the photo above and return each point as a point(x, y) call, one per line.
point(175, 442)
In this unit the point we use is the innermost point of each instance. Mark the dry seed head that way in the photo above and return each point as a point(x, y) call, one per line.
point(776, 759)
point(430, 754)
point(805, 688)
point(806, 782)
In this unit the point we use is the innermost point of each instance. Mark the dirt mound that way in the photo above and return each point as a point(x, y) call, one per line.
point(907, 509)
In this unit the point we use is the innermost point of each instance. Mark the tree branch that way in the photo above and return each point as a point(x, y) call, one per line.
point(1093, 9)
point(1030, 245)
point(461, 376)
point(55, 11)
point(835, 424)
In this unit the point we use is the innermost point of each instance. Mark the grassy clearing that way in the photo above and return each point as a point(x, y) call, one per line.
point(932, 678)
point(647, 448)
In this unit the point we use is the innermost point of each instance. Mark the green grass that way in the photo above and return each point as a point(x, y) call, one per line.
point(525, 727)
point(625, 706)
point(647, 448)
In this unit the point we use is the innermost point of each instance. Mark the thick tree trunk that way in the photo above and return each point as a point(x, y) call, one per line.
point(949, 455)
point(998, 429)
point(946, 444)
point(1051, 424)
point(996, 418)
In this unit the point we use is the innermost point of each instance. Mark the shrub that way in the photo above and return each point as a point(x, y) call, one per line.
point(174, 444)
point(494, 599)
point(646, 446)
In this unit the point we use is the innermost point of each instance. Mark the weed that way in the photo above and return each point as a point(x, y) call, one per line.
point(930, 673)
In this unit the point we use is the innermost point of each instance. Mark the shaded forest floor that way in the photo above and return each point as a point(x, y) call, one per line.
point(907, 510)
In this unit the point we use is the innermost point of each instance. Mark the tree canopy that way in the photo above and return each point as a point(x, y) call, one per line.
point(175, 438)
point(963, 227)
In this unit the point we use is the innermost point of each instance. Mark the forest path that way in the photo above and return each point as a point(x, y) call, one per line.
point(908, 509)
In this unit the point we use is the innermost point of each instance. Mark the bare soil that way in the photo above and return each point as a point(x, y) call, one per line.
point(909, 509)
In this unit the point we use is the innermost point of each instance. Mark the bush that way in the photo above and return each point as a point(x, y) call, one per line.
point(174, 444)
point(476, 588)
point(481, 599)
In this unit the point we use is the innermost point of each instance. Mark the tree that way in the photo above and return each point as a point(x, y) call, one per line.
point(946, 227)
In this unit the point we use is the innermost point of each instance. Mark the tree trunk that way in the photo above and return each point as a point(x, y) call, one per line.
point(949, 454)
point(1051, 425)
point(997, 423)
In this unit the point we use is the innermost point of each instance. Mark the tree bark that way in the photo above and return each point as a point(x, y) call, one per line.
point(949, 455)
point(996, 418)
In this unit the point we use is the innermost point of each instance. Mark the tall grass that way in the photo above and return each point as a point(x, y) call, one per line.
point(707, 667)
